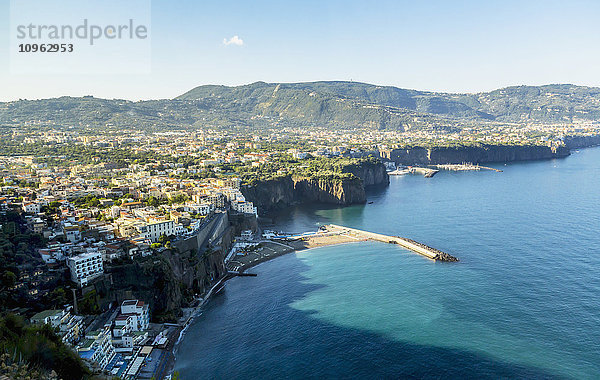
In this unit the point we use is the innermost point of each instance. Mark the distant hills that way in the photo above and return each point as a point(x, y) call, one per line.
point(333, 104)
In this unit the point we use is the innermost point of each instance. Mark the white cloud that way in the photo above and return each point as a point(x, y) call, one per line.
point(235, 40)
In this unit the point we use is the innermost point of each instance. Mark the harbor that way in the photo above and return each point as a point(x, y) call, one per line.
point(432, 170)
point(412, 245)
point(426, 172)
point(327, 235)
point(465, 166)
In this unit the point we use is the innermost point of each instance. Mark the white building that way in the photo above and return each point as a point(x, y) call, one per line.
point(154, 229)
point(245, 207)
point(72, 232)
point(198, 208)
point(247, 235)
point(98, 348)
point(85, 267)
point(31, 207)
point(70, 326)
point(139, 312)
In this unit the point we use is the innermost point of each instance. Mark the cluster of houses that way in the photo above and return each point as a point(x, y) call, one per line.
point(126, 217)
point(116, 346)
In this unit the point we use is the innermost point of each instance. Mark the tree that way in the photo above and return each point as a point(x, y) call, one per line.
point(58, 297)
point(9, 279)
point(89, 304)
point(163, 239)
point(38, 347)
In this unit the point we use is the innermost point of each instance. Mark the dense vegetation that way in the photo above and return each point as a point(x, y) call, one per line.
point(18, 259)
point(338, 105)
point(59, 154)
point(337, 168)
point(33, 352)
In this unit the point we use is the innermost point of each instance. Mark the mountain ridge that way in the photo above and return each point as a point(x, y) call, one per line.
point(329, 104)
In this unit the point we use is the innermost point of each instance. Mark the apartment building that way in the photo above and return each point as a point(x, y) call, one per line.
point(98, 348)
point(140, 313)
point(85, 267)
point(155, 228)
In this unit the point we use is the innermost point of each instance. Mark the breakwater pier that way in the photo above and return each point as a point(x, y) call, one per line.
point(465, 166)
point(329, 234)
point(415, 246)
point(426, 172)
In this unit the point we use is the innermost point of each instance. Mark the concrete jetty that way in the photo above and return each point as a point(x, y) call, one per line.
point(427, 172)
point(465, 166)
point(415, 246)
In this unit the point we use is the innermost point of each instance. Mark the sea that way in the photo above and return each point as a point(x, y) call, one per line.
point(523, 302)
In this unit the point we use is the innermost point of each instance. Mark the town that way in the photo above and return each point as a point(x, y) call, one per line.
point(91, 205)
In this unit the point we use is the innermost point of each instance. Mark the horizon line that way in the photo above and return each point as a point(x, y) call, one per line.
point(303, 82)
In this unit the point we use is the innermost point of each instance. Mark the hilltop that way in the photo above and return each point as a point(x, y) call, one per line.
point(335, 105)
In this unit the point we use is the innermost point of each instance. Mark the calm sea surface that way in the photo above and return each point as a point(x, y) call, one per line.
point(523, 302)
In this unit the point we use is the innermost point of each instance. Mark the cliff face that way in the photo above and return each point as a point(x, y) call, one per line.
point(476, 154)
point(167, 281)
point(576, 142)
point(284, 191)
point(371, 174)
point(272, 194)
point(335, 191)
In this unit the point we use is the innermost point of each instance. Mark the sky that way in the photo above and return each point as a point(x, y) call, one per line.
point(449, 46)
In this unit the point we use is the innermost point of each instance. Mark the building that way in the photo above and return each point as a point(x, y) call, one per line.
point(85, 267)
point(245, 207)
point(131, 205)
point(97, 348)
point(247, 235)
point(140, 313)
point(70, 327)
point(37, 225)
point(31, 207)
point(232, 182)
point(129, 328)
point(155, 228)
point(198, 208)
point(72, 232)
point(216, 199)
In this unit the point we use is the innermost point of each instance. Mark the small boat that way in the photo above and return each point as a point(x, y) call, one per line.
point(370, 203)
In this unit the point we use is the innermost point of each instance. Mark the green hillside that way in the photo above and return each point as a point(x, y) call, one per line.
point(337, 105)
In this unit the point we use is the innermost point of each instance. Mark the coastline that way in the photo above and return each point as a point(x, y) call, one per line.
point(279, 249)
point(185, 322)
point(271, 250)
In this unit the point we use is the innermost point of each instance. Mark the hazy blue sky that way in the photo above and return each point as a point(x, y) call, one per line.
point(456, 46)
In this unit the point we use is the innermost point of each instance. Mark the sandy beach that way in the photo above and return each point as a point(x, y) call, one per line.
point(270, 249)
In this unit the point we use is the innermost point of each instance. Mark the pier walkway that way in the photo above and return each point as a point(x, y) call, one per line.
point(421, 249)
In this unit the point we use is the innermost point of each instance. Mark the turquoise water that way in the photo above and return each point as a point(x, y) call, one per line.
point(523, 302)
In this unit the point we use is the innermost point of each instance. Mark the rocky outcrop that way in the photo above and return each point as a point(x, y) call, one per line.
point(167, 281)
point(170, 280)
point(276, 194)
point(273, 194)
point(281, 192)
point(474, 154)
point(335, 191)
point(371, 173)
point(576, 142)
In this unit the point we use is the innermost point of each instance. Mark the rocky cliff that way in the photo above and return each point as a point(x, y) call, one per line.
point(335, 191)
point(272, 194)
point(170, 280)
point(474, 154)
point(371, 173)
point(167, 280)
point(576, 142)
point(348, 189)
